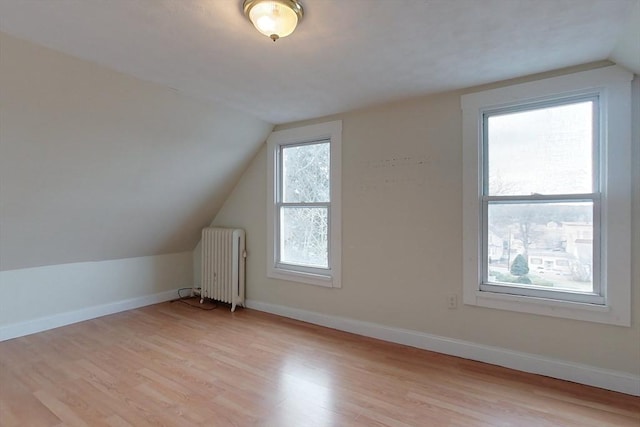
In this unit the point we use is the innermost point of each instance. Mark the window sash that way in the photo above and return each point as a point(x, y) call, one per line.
point(598, 294)
point(279, 205)
point(302, 267)
point(595, 149)
point(280, 166)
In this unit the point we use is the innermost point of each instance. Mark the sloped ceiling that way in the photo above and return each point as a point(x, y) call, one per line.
point(627, 49)
point(344, 55)
point(98, 165)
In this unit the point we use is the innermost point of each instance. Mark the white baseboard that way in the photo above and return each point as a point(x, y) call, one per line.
point(584, 374)
point(62, 319)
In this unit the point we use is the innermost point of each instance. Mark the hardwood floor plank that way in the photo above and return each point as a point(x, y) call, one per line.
point(172, 365)
point(60, 409)
point(117, 421)
point(24, 410)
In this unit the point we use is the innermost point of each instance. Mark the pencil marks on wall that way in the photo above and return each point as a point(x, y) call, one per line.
point(392, 173)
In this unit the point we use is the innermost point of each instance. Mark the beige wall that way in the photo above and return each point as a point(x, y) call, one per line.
point(402, 242)
point(54, 292)
point(97, 165)
point(41, 298)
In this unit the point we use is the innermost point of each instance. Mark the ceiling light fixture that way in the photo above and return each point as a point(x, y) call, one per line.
point(274, 18)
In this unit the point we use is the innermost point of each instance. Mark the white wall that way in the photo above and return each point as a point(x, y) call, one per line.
point(402, 242)
point(40, 298)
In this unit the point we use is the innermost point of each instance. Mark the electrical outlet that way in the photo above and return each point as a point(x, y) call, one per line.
point(452, 301)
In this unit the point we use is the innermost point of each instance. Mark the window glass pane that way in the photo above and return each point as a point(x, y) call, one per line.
point(546, 245)
point(303, 236)
point(546, 151)
point(305, 173)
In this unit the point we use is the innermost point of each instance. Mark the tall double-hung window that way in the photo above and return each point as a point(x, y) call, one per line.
point(304, 204)
point(547, 196)
point(540, 196)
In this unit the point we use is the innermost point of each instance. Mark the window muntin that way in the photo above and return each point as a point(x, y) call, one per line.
point(539, 175)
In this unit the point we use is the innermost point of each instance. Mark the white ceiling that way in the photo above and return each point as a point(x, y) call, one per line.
point(345, 54)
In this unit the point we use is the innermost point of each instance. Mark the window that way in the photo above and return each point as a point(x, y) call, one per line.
point(547, 179)
point(539, 180)
point(304, 224)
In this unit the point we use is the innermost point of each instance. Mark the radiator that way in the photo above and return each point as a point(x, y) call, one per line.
point(223, 265)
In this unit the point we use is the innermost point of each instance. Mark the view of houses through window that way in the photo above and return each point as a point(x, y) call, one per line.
point(546, 244)
point(539, 197)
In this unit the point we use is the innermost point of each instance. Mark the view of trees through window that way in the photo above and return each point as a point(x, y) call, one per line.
point(304, 207)
point(539, 205)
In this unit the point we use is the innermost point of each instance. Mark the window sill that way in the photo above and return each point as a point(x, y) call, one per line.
point(549, 307)
point(326, 281)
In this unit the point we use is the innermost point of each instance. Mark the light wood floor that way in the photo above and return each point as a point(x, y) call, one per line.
point(172, 365)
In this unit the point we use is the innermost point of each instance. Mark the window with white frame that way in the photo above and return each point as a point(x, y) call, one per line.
point(546, 196)
point(304, 226)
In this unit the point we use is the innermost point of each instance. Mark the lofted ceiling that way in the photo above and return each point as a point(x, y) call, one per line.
point(345, 54)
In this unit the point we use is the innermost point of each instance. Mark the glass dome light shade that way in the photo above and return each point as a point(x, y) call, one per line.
point(273, 18)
